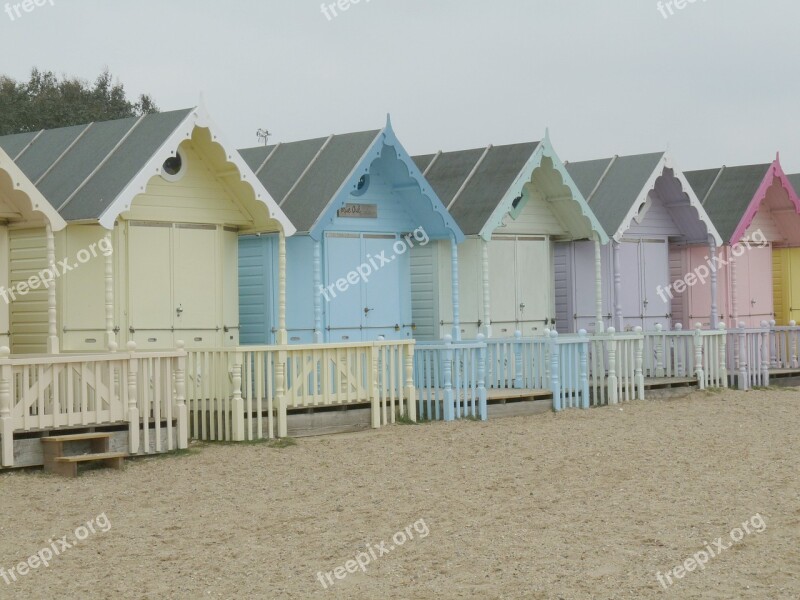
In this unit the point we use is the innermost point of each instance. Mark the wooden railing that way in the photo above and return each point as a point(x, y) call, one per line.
point(615, 367)
point(144, 389)
point(785, 346)
point(231, 391)
point(696, 353)
point(451, 379)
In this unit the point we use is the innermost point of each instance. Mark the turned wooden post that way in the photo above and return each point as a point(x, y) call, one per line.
point(180, 396)
point(793, 339)
point(411, 390)
point(447, 372)
point(374, 387)
point(764, 375)
point(613, 398)
point(723, 355)
point(660, 343)
point(133, 399)
point(237, 402)
point(639, 371)
point(280, 392)
point(482, 410)
point(555, 368)
point(584, 374)
point(698, 356)
point(744, 382)
point(6, 418)
point(773, 346)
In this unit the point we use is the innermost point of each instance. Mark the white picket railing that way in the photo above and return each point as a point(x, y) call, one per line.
point(451, 379)
point(51, 392)
point(232, 390)
point(697, 353)
point(615, 367)
point(785, 346)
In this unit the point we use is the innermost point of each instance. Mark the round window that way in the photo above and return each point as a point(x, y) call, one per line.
point(173, 167)
point(362, 186)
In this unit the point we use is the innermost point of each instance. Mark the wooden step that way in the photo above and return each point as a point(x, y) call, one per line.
point(68, 465)
point(78, 437)
point(91, 457)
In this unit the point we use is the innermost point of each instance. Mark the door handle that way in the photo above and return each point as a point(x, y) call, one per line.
point(367, 310)
point(179, 310)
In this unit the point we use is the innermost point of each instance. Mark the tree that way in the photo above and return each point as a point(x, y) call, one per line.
point(46, 102)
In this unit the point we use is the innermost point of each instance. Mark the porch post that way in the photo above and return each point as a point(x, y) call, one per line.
point(712, 249)
point(109, 278)
point(618, 289)
point(487, 294)
point(734, 310)
point(6, 419)
point(52, 315)
point(282, 338)
point(454, 276)
point(598, 286)
point(319, 289)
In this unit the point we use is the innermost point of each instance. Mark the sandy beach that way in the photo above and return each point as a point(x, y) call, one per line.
point(582, 504)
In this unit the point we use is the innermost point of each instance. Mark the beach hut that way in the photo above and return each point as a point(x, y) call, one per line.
point(647, 207)
point(22, 209)
point(153, 207)
point(757, 212)
point(361, 206)
point(513, 202)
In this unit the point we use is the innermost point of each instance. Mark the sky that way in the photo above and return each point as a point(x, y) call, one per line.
point(716, 82)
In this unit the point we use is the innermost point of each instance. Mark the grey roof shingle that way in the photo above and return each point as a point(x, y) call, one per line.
point(495, 174)
point(304, 177)
point(612, 188)
point(726, 193)
point(80, 169)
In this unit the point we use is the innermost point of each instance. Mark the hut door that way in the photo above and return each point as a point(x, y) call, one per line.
point(150, 285)
point(197, 289)
point(534, 285)
point(383, 292)
point(503, 280)
point(632, 276)
point(655, 274)
point(753, 283)
point(343, 254)
point(793, 257)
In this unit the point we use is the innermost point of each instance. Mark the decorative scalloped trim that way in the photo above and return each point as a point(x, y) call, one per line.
point(666, 162)
point(386, 137)
point(37, 202)
point(505, 206)
point(198, 117)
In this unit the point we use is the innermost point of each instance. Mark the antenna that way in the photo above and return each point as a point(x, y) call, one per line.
point(263, 134)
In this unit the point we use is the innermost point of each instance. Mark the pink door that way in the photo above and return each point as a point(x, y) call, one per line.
point(753, 286)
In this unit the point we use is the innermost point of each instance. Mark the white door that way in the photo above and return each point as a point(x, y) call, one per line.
point(195, 258)
point(503, 283)
point(534, 285)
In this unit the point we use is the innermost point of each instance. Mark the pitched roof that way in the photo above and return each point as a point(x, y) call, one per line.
point(795, 181)
point(613, 185)
point(726, 193)
point(92, 172)
point(82, 169)
point(304, 177)
point(472, 183)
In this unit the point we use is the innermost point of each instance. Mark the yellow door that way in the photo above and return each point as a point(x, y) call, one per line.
point(150, 285)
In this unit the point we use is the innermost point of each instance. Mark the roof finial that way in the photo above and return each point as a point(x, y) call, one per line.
point(388, 120)
point(201, 103)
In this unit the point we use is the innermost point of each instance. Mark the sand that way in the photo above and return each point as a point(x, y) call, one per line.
point(576, 505)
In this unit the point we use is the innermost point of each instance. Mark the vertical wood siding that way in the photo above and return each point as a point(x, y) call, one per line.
point(28, 313)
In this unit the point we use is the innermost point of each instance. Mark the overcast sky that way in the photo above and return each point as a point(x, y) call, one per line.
point(716, 83)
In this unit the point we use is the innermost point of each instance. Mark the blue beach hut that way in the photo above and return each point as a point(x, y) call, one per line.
point(360, 205)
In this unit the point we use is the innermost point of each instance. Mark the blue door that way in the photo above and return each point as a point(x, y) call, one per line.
point(383, 314)
point(257, 288)
point(345, 301)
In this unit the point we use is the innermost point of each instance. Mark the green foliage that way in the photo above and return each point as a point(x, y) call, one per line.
point(47, 102)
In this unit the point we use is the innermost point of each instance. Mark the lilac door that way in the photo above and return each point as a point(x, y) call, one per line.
point(631, 284)
point(654, 264)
